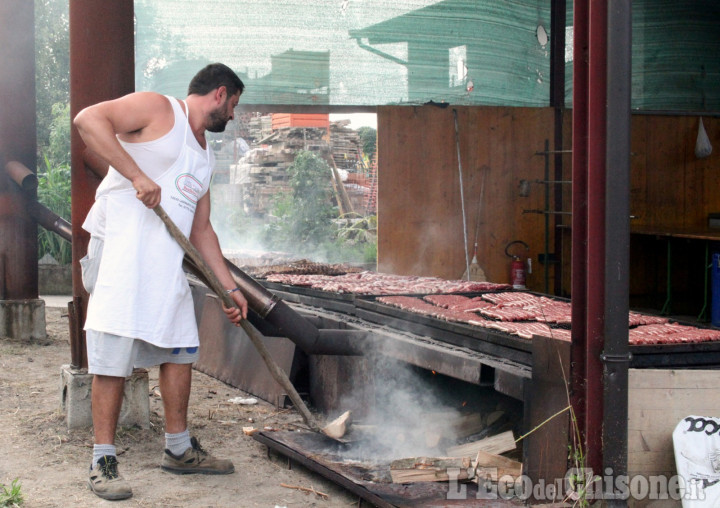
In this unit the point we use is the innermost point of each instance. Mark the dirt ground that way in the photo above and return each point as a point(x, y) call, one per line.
point(51, 462)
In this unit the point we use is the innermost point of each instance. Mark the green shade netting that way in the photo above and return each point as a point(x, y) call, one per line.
point(377, 52)
point(352, 52)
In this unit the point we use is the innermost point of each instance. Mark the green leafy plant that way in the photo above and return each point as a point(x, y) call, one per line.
point(58, 149)
point(357, 229)
point(304, 215)
point(368, 138)
point(305, 222)
point(52, 66)
point(54, 193)
point(10, 497)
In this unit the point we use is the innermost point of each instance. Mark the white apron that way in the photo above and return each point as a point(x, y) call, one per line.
point(141, 290)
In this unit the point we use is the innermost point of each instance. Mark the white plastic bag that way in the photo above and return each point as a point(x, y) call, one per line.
point(696, 442)
point(703, 148)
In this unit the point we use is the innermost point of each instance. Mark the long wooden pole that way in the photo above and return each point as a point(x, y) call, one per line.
point(277, 373)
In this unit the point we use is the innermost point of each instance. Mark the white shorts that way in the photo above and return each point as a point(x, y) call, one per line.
point(113, 355)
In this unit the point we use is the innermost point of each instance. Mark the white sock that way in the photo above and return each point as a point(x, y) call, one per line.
point(101, 450)
point(177, 443)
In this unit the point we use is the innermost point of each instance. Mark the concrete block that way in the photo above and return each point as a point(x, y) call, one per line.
point(76, 396)
point(54, 279)
point(23, 319)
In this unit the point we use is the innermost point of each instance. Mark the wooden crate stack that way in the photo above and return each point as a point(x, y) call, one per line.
point(345, 145)
point(262, 172)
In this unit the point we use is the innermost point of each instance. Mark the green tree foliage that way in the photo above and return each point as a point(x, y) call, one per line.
point(368, 137)
point(52, 89)
point(52, 66)
point(304, 215)
point(306, 222)
point(58, 150)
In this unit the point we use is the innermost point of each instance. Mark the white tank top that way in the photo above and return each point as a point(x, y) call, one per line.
point(153, 157)
point(141, 290)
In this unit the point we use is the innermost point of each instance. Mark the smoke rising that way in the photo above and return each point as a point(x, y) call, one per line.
point(408, 415)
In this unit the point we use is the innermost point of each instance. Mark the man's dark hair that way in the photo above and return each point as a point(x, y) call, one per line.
point(214, 76)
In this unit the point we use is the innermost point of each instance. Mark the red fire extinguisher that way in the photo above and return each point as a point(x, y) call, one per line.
point(517, 267)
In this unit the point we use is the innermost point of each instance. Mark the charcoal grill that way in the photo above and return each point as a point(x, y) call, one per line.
point(318, 454)
point(491, 342)
point(521, 369)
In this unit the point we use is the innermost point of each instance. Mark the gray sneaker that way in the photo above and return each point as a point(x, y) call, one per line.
point(195, 460)
point(106, 482)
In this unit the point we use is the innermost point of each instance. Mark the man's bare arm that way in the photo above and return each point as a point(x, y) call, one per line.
point(137, 117)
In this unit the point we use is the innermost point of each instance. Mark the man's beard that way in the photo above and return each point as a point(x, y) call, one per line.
point(218, 121)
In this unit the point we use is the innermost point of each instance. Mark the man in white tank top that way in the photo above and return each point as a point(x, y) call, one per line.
point(140, 311)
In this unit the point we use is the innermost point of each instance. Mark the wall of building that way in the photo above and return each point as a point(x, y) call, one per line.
point(420, 212)
point(420, 215)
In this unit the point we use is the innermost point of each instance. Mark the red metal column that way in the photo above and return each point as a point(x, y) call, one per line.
point(579, 210)
point(101, 67)
point(588, 244)
point(18, 142)
point(597, 143)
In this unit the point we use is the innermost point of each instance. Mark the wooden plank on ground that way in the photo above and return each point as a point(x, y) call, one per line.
point(430, 469)
point(497, 444)
point(489, 465)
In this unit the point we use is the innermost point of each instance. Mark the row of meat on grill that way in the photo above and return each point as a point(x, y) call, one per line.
point(377, 283)
point(513, 312)
point(525, 315)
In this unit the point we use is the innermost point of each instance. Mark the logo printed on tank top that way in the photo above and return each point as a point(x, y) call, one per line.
point(189, 186)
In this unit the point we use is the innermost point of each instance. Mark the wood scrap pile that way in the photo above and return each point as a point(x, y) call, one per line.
point(262, 171)
point(300, 267)
point(258, 127)
point(345, 145)
point(479, 460)
point(467, 450)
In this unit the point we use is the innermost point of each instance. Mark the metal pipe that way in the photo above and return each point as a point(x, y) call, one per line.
point(597, 143)
point(28, 182)
point(49, 220)
point(259, 299)
point(579, 212)
point(21, 175)
point(616, 356)
point(309, 338)
point(284, 321)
